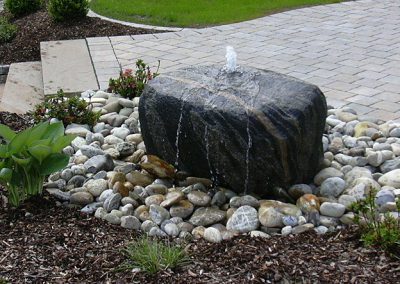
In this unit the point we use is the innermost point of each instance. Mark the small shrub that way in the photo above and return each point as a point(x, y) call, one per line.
point(152, 256)
point(66, 10)
point(22, 7)
point(7, 30)
point(27, 157)
point(66, 109)
point(131, 85)
point(380, 230)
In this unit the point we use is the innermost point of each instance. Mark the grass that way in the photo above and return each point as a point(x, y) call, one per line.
point(151, 255)
point(191, 13)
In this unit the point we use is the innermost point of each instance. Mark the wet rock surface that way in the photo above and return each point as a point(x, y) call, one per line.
point(248, 130)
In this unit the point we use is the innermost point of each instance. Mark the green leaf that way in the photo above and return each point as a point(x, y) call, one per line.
point(40, 152)
point(42, 142)
point(53, 163)
point(3, 151)
point(18, 142)
point(23, 162)
point(6, 174)
point(37, 132)
point(54, 130)
point(62, 142)
point(6, 132)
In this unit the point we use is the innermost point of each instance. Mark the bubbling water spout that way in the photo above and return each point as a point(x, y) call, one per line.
point(231, 57)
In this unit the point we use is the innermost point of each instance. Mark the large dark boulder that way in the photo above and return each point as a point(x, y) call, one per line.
point(218, 115)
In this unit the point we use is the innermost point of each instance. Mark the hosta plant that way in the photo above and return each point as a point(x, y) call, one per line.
point(26, 158)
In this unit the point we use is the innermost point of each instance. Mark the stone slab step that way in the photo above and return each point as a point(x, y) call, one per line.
point(67, 65)
point(24, 87)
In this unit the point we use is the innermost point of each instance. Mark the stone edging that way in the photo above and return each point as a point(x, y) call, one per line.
point(141, 26)
point(3, 73)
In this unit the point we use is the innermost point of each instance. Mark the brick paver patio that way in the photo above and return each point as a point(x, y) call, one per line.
point(351, 50)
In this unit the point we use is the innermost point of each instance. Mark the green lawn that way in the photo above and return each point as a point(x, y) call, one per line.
point(194, 13)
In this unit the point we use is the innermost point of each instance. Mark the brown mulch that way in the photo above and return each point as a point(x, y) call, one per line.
point(43, 243)
point(15, 121)
point(37, 27)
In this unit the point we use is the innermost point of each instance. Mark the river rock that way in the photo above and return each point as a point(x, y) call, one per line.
point(333, 186)
point(205, 216)
point(157, 167)
point(182, 209)
point(81, 198)
point(325, 174)
point(285, 120)
point(391, 178)
point(331, 209)
point(212, 235)
point(158, 214)
point(245, 219)
point(199, 198)
point(239, 201)
point(130, 222)
point(99, 163)
point(96, 187)
point(112, 202)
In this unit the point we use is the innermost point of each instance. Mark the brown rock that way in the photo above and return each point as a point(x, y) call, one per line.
point(157, 167)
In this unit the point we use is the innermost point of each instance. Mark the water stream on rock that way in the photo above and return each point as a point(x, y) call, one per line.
point(178, 130)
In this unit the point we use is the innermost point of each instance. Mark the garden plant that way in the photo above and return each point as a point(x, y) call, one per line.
point(66, 109)
point(66, 10)
point(131, 85)
point(22, 7)
point(7, 30)
point(26, 158)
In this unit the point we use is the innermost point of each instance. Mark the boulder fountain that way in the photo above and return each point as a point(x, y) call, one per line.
point(246, 128)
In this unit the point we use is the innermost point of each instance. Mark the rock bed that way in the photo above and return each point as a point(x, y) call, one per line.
point(111, 176)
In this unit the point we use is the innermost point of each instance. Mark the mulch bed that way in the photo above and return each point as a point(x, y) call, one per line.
point(44, 242)
point(37, 27)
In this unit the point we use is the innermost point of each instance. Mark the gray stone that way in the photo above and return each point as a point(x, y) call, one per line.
point(238, 201)
point(182, 209)
point(245, 219)
point(332, 209)
point(289, 221)
point(105, 194)
point(78, 142)
point(299, 190)
point(302, 228)
point(199, 198)
point(218, 199)
point(112, 219)
point(332, 187)
point(205, 216)
point(347, 200)
point(59, 194)
point(287, 230)
point(270, 217)
point(99, 163)
point(76, 181)
point(395, 132)
point(125, 148)
point(171, 229)
point(130, 222)
point(328, 221)
point(325, 174)
point(391, 178)
point(158, 214)
point(120, 132)
point(157, 232)
point(212, 235)
point(66, 174)
point(286, 114)
point(112, 202)
point(100, 213)
point(321, 230)
point(90, 151)
point(81, 198)
point(77, 129)
point(96, 187)
point(147, 225)
point(91, 208)
point(390, 165)
point(384, 196)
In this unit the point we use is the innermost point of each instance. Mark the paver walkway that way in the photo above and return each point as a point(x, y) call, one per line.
point(351, 50)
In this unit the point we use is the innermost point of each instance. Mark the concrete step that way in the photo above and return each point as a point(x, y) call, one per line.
point(24, 87)
point(67, 65)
